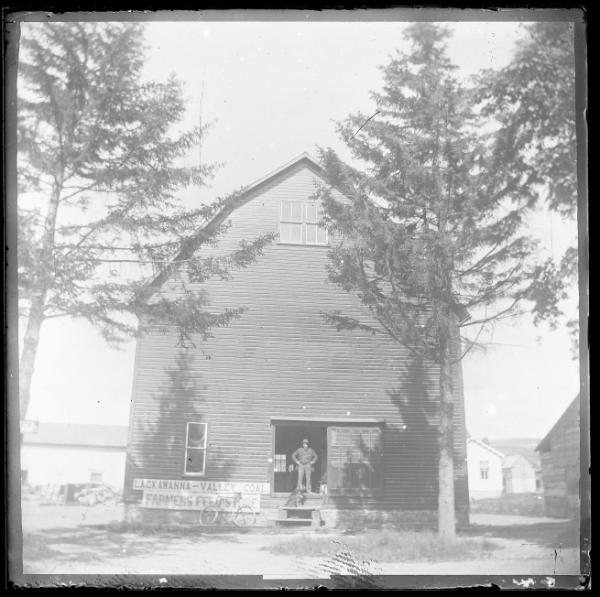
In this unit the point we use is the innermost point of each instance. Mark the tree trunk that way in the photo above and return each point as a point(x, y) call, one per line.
point(446, 506)
point(31, 341)
point(44, 278)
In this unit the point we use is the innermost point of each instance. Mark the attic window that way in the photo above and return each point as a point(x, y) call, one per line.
point(299, 224)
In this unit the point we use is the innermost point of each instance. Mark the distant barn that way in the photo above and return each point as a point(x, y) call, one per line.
point(559, 452)
point(63, 453)
point(522, 446)
point(518, 475)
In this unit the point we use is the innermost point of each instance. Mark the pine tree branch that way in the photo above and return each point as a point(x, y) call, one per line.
point(503, 314)
point(365, 123)
point(477, 265)
point(472, 344)
point(57, 315)
point(136, 247)
point(79, 190)
point(190, 245)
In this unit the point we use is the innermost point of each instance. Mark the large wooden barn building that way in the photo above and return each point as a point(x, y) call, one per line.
point(227, 416)
point(560, 458)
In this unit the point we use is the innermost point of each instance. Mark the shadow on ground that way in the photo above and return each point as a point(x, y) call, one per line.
point(96, 543)
point(548, 534)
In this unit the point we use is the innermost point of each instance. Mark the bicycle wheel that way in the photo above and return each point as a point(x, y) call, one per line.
point(245, 516)
point(225, 508)
point(210, 514)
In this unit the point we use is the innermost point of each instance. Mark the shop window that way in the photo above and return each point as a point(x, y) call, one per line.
point(195, 449)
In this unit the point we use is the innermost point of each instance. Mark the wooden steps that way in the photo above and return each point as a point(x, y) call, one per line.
point(294, 522)
point(299, 516)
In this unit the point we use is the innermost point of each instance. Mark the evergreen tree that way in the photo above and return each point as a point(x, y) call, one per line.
point(99, 170)
point(532, 101)
point(427, 234)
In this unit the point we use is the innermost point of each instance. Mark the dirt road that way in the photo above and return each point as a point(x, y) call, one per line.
point(79, 540)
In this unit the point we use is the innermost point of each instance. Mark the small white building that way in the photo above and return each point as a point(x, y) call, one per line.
point(61, 453)
point(484, 465)
point(518, 475)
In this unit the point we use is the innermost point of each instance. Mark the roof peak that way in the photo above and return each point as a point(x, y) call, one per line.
point(304, 156)
point(236, 200)
point(487, 446)
point(574, 404)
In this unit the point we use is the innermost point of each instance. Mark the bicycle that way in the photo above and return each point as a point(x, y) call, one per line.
point(227, 510)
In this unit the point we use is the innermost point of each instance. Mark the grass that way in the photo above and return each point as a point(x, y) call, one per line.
point(174, 529)
point(521, 504)
point(388, 546)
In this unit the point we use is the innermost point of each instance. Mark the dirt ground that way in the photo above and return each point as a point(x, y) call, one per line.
point(87, 540)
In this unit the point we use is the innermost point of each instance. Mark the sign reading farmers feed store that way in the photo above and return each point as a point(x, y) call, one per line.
point(172, 494)
point(169, 500)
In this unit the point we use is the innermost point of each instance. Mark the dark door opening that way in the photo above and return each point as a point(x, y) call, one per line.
point(288, 438)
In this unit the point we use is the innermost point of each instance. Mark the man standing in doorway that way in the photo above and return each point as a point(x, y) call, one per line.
point(304, 457)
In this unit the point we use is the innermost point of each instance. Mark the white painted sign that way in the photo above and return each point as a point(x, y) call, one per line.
point(169, 499)
point(202, 487)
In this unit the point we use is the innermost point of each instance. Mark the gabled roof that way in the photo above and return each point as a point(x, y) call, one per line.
point(569, 411)
point(525, 446)
point(486, 446)
point(302, 159)
point(66, 434)
point(238, 199)
point(510, 461)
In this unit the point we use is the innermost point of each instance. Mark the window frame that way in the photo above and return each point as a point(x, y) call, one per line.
point(96, 476)
point(290, 220)
point(314, 223)
point(280, 463)
point(304, 223)
point(484, 467)
point(203, 449)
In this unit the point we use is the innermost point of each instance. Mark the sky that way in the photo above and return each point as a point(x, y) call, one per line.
point(274, 90)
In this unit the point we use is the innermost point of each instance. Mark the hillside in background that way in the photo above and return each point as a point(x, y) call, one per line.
point(523, 445)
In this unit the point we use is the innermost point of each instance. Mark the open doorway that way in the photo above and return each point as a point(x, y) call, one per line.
point(288, 438)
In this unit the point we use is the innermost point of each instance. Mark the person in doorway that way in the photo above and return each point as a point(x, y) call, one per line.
point(304, 458)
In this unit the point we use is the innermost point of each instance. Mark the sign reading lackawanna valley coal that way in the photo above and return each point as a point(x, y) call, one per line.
point(202, 486)
point(170, 494)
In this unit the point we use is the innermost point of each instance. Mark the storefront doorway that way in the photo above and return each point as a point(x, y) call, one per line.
point(350, 456)
point(288, 438)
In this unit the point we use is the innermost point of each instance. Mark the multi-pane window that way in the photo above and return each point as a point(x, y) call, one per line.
point(195, 449)
point(315, 234)
point(484, 469)
point(280, 463)
point(95, 477)
point(299, 224)
point(292, 222)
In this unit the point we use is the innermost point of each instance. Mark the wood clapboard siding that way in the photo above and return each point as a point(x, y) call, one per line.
point(281, 360)
point(560, 462)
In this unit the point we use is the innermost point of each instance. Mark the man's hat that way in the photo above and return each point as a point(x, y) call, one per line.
point(304, 440)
